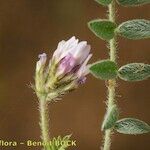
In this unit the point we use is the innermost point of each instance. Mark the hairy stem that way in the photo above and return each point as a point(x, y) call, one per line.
point(44, 120)
point(112, 42)
point(111, 83)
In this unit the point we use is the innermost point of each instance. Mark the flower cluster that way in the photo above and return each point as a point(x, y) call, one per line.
point(66, 70)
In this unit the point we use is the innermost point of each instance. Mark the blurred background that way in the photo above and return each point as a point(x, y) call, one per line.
point(30, 27)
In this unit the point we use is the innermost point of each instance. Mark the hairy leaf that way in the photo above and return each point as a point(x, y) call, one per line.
point(110, 118)
point(133, 2)
point(103, 29)
point(132, 126)
point(104, 69)
point(134, 72)
point(134, 29)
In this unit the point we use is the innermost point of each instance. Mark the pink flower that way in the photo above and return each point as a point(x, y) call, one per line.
point(67, 68)
point(72, 54)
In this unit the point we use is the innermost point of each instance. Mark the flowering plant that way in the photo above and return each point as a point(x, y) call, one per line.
point(67, 69)
point(65, 72)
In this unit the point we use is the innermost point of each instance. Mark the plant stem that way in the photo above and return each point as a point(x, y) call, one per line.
point(111, 83)
point(44, 120)
point(112, 42)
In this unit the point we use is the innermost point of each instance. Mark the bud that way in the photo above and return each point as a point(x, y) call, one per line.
point(66, 71)
point(39, 75)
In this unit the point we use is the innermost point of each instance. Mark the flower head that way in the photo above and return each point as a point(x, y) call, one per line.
point(67, 68)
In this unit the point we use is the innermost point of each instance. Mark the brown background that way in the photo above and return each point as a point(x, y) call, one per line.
point(30, 27)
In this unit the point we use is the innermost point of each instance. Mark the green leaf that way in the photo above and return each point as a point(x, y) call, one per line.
point(134, 72)
point(104, 69)
point(132, 126)
point(110, 118)
point(104, 2)
point(134, 29)
point(103, 29)
point(133, 2)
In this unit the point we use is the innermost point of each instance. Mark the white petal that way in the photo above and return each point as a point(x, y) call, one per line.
point(82, 51)
point(71, 39)
point(69, 46)
point(84, 69)
point(85, 53)
point(61, 44)
point(59, 49)
point(64, 47)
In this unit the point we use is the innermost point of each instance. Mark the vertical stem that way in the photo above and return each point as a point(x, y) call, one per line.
point(44, 120)
point(111, 83)
point(112, 42)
